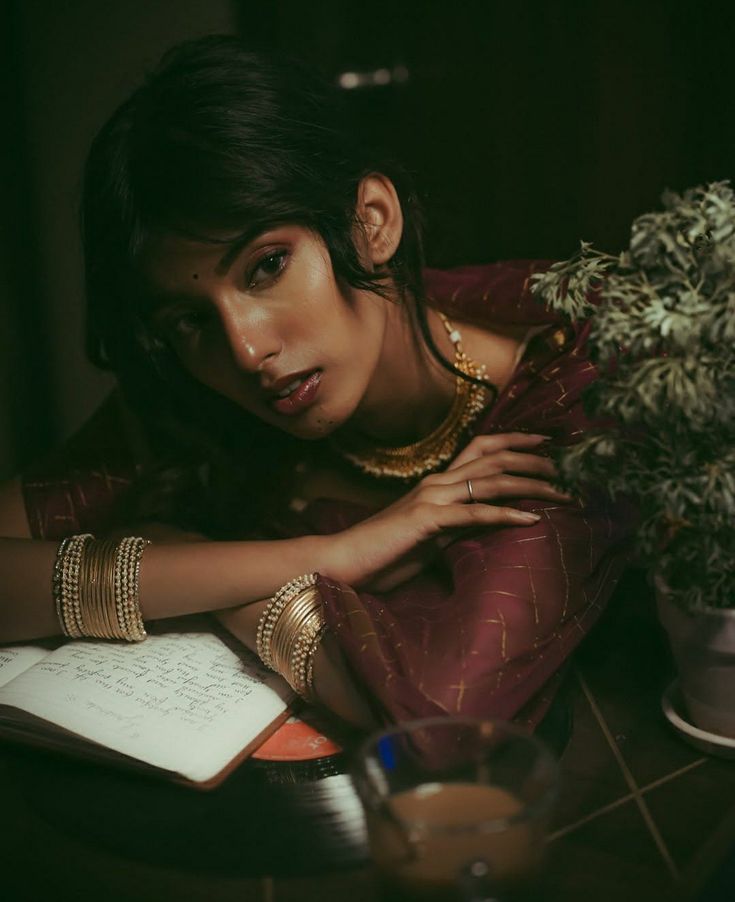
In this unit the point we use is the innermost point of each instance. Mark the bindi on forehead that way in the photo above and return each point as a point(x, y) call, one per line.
point(195, 276)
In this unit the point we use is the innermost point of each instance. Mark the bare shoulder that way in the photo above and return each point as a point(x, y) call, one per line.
point(13, 518)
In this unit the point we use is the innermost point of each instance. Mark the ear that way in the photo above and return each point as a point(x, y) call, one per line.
point(379, 214)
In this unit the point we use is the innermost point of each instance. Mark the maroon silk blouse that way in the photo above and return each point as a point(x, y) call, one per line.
point(486, 628)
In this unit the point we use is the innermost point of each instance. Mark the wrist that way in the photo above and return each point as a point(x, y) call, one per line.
point(330, 557)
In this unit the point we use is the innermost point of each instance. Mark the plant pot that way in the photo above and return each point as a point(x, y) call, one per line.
point(703, 645)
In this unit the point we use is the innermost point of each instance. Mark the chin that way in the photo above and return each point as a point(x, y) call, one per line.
point(313, 428)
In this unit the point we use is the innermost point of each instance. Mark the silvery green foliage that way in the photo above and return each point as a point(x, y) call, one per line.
point(663, 336)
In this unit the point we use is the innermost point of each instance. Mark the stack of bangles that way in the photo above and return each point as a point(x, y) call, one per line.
point(97, 596)
point(289, 632)
point(96, 588)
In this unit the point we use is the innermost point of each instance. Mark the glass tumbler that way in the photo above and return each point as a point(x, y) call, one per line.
point(456, 808)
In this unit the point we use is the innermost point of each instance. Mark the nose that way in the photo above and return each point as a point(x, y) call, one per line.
point(249, 333)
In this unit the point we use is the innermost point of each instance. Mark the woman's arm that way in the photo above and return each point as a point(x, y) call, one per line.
point(175, 579)
point(178, 576)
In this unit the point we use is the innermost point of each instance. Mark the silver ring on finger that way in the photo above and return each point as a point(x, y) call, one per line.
point(468, 483)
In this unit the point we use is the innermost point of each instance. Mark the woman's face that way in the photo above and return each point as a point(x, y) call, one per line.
point(267, 326)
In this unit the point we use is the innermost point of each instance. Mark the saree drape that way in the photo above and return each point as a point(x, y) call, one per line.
point(486, 628)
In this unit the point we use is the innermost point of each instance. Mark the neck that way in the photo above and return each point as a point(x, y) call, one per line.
point(410, 393)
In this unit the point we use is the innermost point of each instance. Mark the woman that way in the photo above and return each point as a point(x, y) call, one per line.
point(306, 405)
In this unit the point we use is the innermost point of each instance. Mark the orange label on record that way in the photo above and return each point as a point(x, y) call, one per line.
point(296, 740)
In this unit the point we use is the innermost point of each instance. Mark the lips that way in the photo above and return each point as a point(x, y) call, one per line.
point(295, 393)
point(277, 387)
point(292, 386)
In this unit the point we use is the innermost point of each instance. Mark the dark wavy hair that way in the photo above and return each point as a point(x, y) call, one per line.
point(221, 138)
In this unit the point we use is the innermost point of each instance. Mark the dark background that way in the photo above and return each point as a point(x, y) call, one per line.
point(528, 126)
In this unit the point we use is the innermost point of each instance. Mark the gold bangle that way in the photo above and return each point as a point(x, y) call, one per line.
point(56, 586)
point(273, 611)
point(90, 590)
point(126, 581)
point(138, 550)
point(70, 591)
point(67, 606)
point(304, 649)
point(106, 588)
point(88, 625)
point(309, 675)
point(117, 588)
point(288, 625)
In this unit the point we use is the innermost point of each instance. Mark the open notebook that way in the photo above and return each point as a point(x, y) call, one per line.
point(185, 703)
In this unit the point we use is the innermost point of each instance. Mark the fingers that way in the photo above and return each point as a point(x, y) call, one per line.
point(506, 461)
point(463, 515)
point(487, 488)
point(505, 486)
point(483, 445)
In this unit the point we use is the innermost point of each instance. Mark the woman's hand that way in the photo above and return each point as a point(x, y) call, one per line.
point(393, 545)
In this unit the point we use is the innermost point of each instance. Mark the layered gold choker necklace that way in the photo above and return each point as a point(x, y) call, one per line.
point(439, 447)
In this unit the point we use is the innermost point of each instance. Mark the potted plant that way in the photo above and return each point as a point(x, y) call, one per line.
point(662, 334)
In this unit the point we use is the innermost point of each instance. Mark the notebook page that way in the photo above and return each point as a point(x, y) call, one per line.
point(17, 658)
point(182, 701)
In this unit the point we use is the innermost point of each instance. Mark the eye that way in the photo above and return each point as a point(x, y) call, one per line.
point(268, 268)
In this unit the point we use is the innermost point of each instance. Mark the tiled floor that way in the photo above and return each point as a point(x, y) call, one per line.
point(641, 816)
point(665, 800)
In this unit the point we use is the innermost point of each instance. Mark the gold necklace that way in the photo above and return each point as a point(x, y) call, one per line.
point(439, 447)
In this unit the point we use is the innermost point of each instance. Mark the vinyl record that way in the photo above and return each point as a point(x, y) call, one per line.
point(241, 828)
